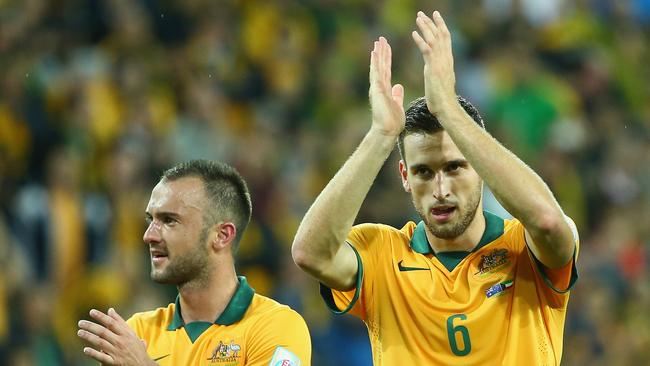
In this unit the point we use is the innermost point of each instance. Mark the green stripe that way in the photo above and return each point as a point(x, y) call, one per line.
point(328, 297)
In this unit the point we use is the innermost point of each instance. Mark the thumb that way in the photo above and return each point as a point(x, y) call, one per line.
point(398, 94)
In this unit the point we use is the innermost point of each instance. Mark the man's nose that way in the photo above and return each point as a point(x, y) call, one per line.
point(152, 234)
point(441, 189)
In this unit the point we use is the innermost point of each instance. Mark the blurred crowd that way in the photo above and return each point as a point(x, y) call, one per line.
point(98, 97)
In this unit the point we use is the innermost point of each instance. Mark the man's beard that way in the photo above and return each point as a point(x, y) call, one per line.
point(455, 228)
point(191, 266)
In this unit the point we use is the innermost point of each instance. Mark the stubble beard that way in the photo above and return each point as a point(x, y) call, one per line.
point(457, 227)
point(189, 267)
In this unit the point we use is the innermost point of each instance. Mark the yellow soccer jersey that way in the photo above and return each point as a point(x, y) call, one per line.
point(253, 330)
point(497, 305)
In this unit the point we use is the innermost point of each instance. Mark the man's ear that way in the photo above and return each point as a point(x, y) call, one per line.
point(403, 173)
point(223, 235)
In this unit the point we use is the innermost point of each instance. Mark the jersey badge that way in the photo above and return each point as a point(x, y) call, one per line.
point(225, 352)
point(498, 288)
point(494, 260)
point(284, 357)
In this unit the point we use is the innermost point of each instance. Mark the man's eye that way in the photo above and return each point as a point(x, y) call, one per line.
point(168, 220)
point(453, 167)
point(423, 173)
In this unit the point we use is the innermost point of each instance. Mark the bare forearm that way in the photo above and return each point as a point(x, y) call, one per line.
point(328, 221)
point(517, 187)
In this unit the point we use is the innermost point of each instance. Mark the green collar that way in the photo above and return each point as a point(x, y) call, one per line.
point(233, 312)
point(493, 229)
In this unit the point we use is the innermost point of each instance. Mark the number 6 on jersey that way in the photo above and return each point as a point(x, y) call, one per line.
point(464, 332)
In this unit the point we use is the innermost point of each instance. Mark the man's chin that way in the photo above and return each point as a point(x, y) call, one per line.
point(161, 279)
point(445, 231)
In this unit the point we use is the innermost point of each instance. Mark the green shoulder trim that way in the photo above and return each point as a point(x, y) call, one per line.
point(326, 292)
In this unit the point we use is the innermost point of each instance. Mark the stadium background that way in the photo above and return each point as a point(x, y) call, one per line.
point(98, 97)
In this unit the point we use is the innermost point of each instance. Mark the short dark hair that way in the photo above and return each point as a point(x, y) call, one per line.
point(226, 189)
point(420, 120)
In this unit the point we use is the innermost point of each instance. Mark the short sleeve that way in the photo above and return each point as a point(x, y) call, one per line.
point(365, 240)
point(556, 283)
point(134, 323)
point(280, 339)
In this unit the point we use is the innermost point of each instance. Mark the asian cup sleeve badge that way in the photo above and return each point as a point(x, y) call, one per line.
point(284, 357)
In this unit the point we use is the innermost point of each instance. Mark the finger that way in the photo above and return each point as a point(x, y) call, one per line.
point(381, 82)
point(106, 320)
point(97, 329)
point(114, 314)
point(95, 340)
point(442, 26)
point(102, 357)
point(438, 20)
point(423, 46)
point(373, 67)
point(388, 61)
point(427, 28)
point(373, 59)
point(381, 65)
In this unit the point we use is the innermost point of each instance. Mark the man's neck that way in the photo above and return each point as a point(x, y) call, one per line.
point(466, 242)
point(206, 303)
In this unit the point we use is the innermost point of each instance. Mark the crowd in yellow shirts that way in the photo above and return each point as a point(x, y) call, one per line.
point(98, 97)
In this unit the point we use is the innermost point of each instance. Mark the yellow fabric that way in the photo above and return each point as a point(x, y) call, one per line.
point(265, 326)
point(68, 236)
point(412, 316)
point(4, 311)
point(67, 261)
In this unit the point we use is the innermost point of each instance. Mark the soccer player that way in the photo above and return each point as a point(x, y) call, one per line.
point(463, 286)
point(197, 214)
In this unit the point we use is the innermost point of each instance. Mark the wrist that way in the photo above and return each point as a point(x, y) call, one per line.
point(381, 139)
point(382, 135)
point(449, 107)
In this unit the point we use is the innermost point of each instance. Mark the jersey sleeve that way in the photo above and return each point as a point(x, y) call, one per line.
point(136, 325)
point(556, 283)
point(365, 240)
point(280, 339)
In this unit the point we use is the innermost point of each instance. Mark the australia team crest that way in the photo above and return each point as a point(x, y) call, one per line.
point(225, 353)
point(494, 260)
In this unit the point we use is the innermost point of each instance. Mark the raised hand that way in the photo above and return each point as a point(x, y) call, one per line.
point(112, 341)
point(434, 42)
point(386, 100)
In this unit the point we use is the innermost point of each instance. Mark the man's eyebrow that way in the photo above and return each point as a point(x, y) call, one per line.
point(457, 162)
point(163, 214)
point(418, 166)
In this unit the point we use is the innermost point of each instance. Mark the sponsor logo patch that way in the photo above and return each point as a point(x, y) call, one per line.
point(403, 268)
